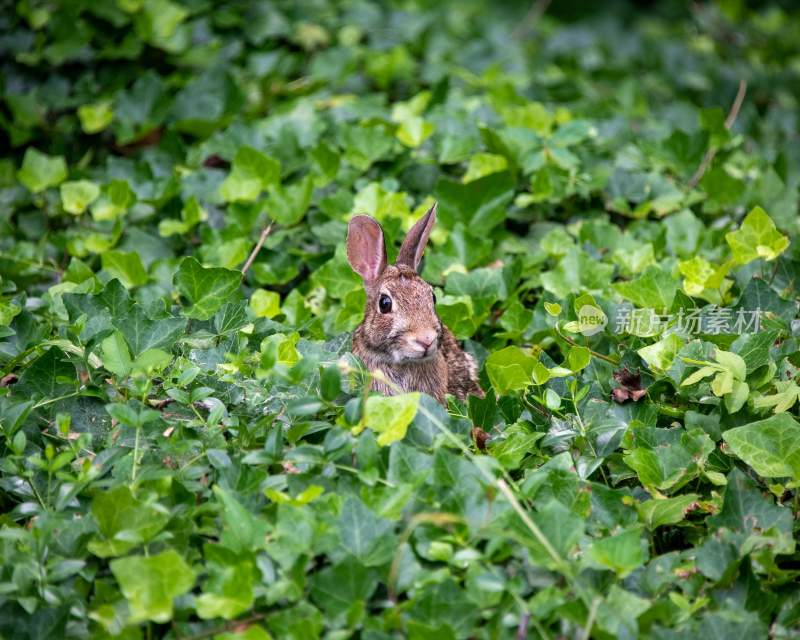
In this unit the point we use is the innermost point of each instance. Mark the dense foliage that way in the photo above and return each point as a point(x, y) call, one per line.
point(187, 449)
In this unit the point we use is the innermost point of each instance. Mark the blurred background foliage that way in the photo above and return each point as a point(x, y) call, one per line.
point(184, 457)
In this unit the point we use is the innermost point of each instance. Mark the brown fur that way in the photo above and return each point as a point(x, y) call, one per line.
point(393, 342)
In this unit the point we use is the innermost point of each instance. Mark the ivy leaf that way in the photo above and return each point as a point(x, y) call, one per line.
point(288, 204)
point(265, 304)
point(368, 537)
point(40, 171)
point(244, 531)
point(115, 199)
point(143, 333)
point(787, 393)
point(666, 459)
point(337, 588)
point(484, 164)
point(510, 369)
point(480, 205)
point(76, 195)
point(756, 238)
point(660, 355)
point(124, 521)
point(364, 145)
point(659, 512)
point(747, 510)
point(116, 356)
point(578, 358)
point(95, 116)
point(252, 172)
point(126, 266)
point(150, 584)
point(414, 130)
point(228, 589)
point(622, 553)
point(771, 446)
point(390, 416)
point(47, 375)
point(207, 289)
point(654, 289)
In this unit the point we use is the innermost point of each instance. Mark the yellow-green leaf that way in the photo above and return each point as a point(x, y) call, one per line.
point(756, 238)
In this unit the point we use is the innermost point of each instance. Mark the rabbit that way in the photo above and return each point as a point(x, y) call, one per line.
point(401, 335)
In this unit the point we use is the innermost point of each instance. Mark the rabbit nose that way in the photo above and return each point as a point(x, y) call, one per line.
point(426, 339)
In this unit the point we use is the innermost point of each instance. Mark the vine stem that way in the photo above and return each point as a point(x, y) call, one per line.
point(570, 341)
point(712, 151)
point(587, 631)
point(261, 239)
point(135, 455)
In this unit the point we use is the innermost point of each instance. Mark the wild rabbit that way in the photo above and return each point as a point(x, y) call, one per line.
point(401, 335)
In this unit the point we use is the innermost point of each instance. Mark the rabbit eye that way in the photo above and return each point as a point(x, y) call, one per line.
point(385, 303)
point(434, 297)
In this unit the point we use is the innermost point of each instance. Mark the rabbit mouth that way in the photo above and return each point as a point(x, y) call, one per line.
point(419, 355)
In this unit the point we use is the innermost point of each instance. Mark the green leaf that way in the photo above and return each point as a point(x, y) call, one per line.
point(771, 446)
point(116, 356)
point(660, 355)
point(622, 553)
point(659, 512)
point(562, 529)
point(517, 442)
point(124, 521)
point(337, 588)
point(244, 532)
point(142, 333)
point(787, 393)
point(191, 214)
point(150, 584)
point(228, 589)
point(484, 164)
point(576, 271)
point(126, 266)
point(95, 116)
point(40, 171)
point(747, 510)
point(666, 459)
point(510, 370)
point(152, 362)
point(619, 612)
point(414, 130)
point(207, 289)
point(365, 535)
point(578, 358)
point(77, 195)
point(390, 416)
point(364, 145)
point(115, 199)
point(252, 172)
point(288, 204)
point(480, 205)
point(265, 304)
point(654, 289)
point(756, 238)
point(49, 376)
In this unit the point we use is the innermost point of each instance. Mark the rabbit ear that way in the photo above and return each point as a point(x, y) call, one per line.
point(414, 244)
point(366, 251)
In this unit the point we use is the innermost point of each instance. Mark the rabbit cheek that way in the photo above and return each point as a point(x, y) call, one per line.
point(388, 331)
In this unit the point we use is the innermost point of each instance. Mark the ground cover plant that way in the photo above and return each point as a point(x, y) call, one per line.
point(188, 450)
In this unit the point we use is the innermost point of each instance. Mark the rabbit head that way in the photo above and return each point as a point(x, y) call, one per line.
point(400, 322)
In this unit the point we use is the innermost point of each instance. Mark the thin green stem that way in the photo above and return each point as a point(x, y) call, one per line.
point(135, 455)
point(43, 403)
point(570, 341)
